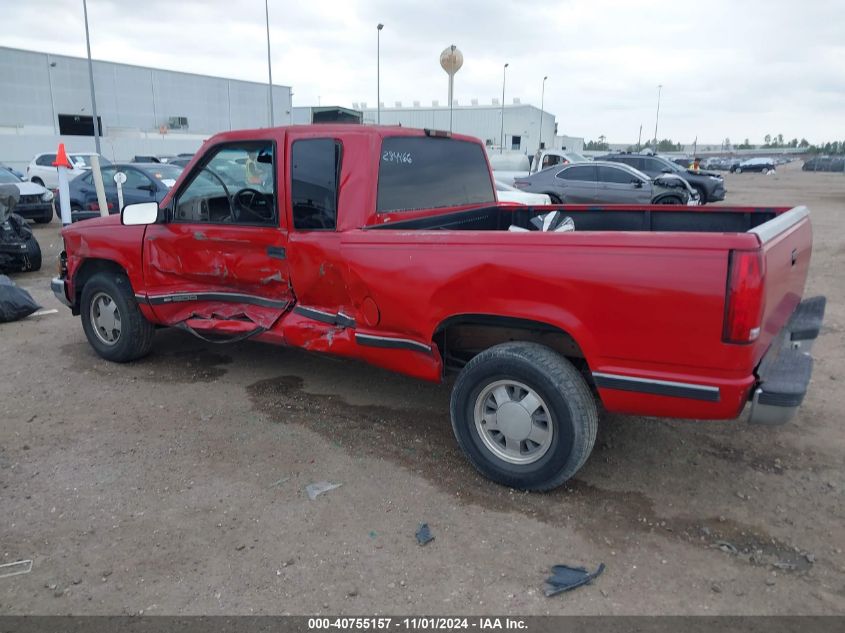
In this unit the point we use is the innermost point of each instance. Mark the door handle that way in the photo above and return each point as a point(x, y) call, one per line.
point(276, 252)
point(794, 256)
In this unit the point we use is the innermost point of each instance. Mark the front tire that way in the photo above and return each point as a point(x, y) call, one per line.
point(111, 319)
point(738, 170)
point(702, 195)
point(524, 416)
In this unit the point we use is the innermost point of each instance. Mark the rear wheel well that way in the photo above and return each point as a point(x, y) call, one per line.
point(460, 338)
point(88, 269)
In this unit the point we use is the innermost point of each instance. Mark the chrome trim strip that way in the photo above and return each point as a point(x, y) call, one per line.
point(391, 342)
point(180, 297)
point(657, 387)
point(776, 226)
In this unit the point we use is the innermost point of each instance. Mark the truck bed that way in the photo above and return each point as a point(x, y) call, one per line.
point(656, 218)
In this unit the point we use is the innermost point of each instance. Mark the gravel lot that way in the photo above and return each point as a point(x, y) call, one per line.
point(175, 485)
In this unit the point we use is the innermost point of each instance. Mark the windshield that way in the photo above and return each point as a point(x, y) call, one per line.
point(85, 160)
point(167, 174)
point(575, 157)
point(8, 177)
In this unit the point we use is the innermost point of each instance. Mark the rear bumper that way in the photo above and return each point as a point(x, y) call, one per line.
point(785, 371)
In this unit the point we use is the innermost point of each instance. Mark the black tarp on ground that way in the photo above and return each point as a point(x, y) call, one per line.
point(15, 302)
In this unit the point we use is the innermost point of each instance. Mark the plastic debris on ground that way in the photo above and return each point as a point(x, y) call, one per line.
point(316, 489)
point(15, 569)
point(424, 535)
point(15, 302)
point(566, 578)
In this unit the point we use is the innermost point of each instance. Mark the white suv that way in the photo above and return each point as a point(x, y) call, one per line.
point(41, 171)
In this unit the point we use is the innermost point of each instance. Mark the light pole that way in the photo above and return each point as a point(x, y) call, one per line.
point(269, 65)
point(502, 140)
point(542, 98)
point(657, 116)
point(378, 72)
point(91, 81)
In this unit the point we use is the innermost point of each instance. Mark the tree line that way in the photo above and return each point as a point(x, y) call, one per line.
point(770, 141)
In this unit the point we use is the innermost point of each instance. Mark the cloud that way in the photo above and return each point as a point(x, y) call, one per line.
point(728, 68)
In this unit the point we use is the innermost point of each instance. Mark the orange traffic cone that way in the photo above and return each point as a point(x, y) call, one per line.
point(61, 157)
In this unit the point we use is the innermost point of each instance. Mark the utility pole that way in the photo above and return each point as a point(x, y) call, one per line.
point(502, 140)
point(97, 130)
point(269, 63)
point(657, 116)
point(640, 137)
point(542, 99)
point(378, 72)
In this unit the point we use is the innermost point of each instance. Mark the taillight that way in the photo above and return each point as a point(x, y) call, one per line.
point(744, 300)
point(94, 206)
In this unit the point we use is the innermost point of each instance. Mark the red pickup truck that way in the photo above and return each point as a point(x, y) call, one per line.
point(388, 244)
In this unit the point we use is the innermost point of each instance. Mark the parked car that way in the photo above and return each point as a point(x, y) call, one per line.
point(508, 167)
point(35, 202)
point(599, 182)
point(145, 182)
point(710, 185)
point(180, 161)
point(761, 165)
point(11, 169)
point(717, 163)
point(506, 193)
point(824, 163)
point(387, 244)
point(42, 171)
point(153, 158)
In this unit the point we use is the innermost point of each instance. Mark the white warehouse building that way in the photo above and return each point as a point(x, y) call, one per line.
point(46, 99)
point(521, 128)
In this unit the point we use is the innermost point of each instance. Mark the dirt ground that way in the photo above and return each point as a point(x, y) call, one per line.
point(175, 485)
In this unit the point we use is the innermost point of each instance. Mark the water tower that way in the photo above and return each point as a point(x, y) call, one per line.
point(451, 60)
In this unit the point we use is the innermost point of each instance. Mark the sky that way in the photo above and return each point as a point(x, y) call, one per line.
point(737, 69)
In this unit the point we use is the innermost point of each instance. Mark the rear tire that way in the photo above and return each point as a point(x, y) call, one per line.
point(533, 446)
point(33, 253)
point(738, 170)
point(111, 319)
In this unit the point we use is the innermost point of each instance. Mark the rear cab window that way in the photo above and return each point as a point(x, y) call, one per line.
point(421, 172)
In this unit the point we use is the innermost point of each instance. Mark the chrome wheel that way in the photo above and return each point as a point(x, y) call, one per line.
point(105, 318)
point(513, 422)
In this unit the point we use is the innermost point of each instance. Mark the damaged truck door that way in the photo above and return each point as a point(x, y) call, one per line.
point(217, 264)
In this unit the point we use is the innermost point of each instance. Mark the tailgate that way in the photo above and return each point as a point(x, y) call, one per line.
point(787, 243)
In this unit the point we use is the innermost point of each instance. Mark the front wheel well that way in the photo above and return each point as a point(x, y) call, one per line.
point(88, 269)
point(460, 338)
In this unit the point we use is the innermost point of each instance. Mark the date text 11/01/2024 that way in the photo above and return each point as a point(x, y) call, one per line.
point(416, 623)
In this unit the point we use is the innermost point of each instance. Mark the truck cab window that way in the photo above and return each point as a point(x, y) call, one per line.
point(314, 177)
point(236, 184)
point(422, 172)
